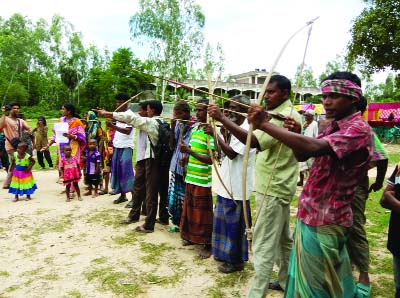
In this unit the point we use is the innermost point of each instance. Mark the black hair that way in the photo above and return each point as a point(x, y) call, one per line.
point(282, 82)
point(143, 105)
point(155, 105)
point(14, 104)
point(226, 104)
point(182, 106)
point(70, 107)
point(361, 104)
point(23, 144)
point(344, 75)
point(122, 96)
point(42, 118)
point(203, 101)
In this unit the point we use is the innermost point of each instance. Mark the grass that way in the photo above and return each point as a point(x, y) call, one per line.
point(154, 252)
point(109, 217)
point(121, 284)
point(225, 284)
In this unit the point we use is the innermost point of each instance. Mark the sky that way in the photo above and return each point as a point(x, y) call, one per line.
point(251, 32)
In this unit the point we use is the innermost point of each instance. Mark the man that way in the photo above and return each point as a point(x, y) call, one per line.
point(319, 263)
point(310, 129)
point(139, 185)
point(391, 200)
point(229, 243)
point(357, 242)
point(122, 175)
point(181, 129)
point(272, 239)
point(12, 127)
point(197, 214)
point(156, 176)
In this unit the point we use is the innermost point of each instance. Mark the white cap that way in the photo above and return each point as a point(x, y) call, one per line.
point(309, 112)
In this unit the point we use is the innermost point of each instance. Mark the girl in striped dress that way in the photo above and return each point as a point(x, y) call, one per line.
point(22, 182)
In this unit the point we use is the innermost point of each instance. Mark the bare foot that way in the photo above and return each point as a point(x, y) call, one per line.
point(15, 200)
point(95, 195)
point(28, 199)
point(186, 242)
point(80, 199)
point(68, 200)
point(205, 252)
point(88, 193)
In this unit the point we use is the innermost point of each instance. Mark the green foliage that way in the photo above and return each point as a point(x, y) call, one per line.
point(172, 28)
point(306, 78)
point(375, 43)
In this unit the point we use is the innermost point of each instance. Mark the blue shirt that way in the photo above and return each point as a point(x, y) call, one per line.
point(175, 165)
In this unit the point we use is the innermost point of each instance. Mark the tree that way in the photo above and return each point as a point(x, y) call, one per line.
point(307, 77)
point(375, 37)
point(340, 64)
point(173, 28)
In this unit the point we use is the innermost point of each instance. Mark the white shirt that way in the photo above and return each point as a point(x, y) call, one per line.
point(122, 140)
point(311, 130)
point(141, 145)
point(231, 170)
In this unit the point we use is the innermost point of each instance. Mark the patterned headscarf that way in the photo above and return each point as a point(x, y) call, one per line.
point(344, 87)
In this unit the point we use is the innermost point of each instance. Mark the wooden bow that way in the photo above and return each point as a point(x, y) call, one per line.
point(250, 132)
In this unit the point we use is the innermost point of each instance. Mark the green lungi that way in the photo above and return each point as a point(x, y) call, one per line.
point(319, 264)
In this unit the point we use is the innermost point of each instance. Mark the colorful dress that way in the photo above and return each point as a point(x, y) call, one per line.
point(75, 127)
point(92, 159)
point(71, 170)
point(22, 182)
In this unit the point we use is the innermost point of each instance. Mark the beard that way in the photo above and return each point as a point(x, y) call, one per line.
point(233, 118)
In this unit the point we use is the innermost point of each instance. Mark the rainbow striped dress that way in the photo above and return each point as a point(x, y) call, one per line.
point(22, 183)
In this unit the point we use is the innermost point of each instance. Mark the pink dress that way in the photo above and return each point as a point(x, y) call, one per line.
point(71, 170)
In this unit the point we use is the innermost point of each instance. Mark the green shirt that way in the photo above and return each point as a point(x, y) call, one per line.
point(197, 172)
point(283, 183)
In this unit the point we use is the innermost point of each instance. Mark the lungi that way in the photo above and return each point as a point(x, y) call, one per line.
point(176, 194)
point(122, 170)
point(319, 264)
point(197, 215)
point(229, 242)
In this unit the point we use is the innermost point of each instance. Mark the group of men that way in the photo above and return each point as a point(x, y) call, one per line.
point(313, 262)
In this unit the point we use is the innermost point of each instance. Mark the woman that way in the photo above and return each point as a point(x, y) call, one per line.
point(93, 128)
point(76, 134)
point(41, 140)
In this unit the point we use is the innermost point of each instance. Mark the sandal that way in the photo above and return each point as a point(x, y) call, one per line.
point(102, 192)
point(363, 291)
point(141, 229)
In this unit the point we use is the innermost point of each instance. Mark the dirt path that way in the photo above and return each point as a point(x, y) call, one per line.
point(50, 248)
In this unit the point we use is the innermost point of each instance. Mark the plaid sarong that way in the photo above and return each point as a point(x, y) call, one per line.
point(122, 176)
point(229, 241)
point(197, 214)
point(176, 194)
point(319, 264)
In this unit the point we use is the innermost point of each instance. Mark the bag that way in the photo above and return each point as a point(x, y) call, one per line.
point(162, 150)
point(15, 142)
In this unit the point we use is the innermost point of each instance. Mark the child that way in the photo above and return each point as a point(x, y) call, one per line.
point(70, 172)
point(22, 182)
point(391, 200)
point(92, 168)
point(41, 141)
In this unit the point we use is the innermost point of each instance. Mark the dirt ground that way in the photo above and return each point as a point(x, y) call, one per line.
point(51, 248)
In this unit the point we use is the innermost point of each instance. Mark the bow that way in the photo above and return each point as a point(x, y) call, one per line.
point(250, 132)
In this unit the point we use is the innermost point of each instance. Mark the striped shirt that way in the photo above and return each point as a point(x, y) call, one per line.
point(199, 173)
